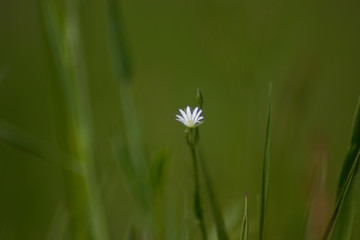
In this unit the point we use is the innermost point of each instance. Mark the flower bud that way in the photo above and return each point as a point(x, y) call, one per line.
point(199, 98)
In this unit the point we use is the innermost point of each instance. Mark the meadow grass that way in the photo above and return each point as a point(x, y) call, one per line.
point(86, 217)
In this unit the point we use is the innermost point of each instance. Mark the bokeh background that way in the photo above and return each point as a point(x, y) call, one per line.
point(86, 84)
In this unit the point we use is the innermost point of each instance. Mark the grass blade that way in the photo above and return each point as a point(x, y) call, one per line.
point(157, 171)
point(119, 44)
point(65, 40)
point(245, 223)
point(340, 202)
point(157, 181)
point(26, 142)
point(351, 154)
point(219, 220)
point(265, 176)
point(346, 185)
point(122, 73)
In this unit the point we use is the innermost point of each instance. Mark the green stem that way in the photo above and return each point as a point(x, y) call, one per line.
point(197, 201)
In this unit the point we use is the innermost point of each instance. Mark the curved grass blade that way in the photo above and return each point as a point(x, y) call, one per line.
point(344, 201)
point(245, 223)
point(26, 142)
point(218, 218)
point(352, 152)
point(157, 170)
point(265, 176)
point(157, 181)
point(340, 202)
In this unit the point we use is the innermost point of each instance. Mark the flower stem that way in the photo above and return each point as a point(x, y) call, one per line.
point(197, 201)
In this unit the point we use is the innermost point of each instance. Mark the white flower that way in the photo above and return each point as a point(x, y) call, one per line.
point(191, 120)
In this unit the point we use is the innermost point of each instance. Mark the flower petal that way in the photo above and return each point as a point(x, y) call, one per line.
point(188, 113)
point(180, 117)
point(194, 114)
point(183, 114)
point(198, 115)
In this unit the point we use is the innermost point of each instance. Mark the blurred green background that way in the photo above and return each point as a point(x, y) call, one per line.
point(55, 114)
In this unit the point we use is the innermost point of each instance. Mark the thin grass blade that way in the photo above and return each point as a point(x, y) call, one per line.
point(122, 72)
point(245, 223)
point(340, 202)
point(157, 170)
point(218, 217)
point(29, 143)
point(265, 176)
point(351, 154)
